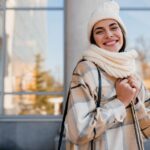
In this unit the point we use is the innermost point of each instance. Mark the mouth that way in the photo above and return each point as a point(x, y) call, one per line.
point(110, 43)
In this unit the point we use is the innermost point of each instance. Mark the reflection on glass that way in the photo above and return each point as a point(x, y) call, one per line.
point(1, 47)
point(33, 105)
point(35, 51)
point(34, 3)
point(134, 3)
point(138, 38)
point(1, 23)
point(1, 3)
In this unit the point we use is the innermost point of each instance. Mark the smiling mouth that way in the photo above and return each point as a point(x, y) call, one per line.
point(111, 43)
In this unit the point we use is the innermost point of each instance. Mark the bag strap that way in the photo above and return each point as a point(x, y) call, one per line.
point(99, 87)
point(137, 128)
point(63, 121)
point(66, 109)
point(98, 101)
point(64, 115)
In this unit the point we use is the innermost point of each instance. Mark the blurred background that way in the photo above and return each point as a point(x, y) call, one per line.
point(40, 43)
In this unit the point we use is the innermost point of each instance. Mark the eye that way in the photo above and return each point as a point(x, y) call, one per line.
point(99, 32)
point(114, 28)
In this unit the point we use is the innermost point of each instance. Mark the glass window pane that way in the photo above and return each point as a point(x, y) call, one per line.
point(1, 28)
point(32, 105)
point(34, 51)
point(1, 45)
point(1, 3)
point(34, 3)
point(138, 38)
point(134, 3)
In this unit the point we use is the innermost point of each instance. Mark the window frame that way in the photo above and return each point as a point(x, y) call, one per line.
point(3, 9)
point(3, 116)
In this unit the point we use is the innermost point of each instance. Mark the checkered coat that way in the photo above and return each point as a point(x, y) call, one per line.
point(110, 125)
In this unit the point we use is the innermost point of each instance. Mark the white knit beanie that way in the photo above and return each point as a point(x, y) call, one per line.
point(107, 10)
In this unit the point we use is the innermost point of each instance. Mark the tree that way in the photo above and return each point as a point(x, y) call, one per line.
point(43, 81)
point(143, 48)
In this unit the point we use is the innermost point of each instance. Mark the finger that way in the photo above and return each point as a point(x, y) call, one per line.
point(134, 77)
point(131, 82)
point(129, 86)
point(118, 80)
point(134, 84)
point(134, 90)
point(131, 78)
point(124, 81)
point(131, 90)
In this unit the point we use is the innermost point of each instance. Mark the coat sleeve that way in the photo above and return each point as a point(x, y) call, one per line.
point(84, 121)
point(143, 95)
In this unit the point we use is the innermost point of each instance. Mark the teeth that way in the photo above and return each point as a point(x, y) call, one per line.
point(110, 43)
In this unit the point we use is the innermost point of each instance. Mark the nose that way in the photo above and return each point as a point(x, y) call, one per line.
point(109, 33)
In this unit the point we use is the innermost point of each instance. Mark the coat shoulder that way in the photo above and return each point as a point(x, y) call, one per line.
point(84, 67)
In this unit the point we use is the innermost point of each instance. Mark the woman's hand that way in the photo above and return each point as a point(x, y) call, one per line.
point(126, 90)
point(135, 82)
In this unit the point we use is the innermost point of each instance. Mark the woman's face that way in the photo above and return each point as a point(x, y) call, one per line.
point(108, 35)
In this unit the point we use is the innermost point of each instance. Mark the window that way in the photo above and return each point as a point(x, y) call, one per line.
point(34, 57)
point(134, 3)
point(135, 17)
point(35, 3)
point(1, 3)
point(1, 49)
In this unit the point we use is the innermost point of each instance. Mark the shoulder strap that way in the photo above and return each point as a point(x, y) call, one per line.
point(63, 121)
point(99, 99)
point(99, 87)
point(137, 128)
point(66, 108)
point(64, 115)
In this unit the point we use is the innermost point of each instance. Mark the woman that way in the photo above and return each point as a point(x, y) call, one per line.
point(109, 125)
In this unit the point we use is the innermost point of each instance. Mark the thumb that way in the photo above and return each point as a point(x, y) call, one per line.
point(134, 89)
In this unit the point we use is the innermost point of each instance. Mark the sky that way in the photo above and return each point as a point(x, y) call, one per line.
point(134, 3)
point(55, 52)
point(136, 21)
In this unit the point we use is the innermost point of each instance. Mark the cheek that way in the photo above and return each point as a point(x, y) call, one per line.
point(121, 38)
point(120, 35)
point(98, 39)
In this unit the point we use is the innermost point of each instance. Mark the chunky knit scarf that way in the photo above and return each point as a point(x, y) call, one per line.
point(118, 65)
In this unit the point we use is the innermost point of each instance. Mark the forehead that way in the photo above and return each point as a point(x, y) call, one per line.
point(105, 23)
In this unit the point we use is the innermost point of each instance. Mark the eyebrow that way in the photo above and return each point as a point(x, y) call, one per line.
point(98, 28)
point(113, 24)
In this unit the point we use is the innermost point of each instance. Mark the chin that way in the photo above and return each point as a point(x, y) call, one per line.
point(113, 49)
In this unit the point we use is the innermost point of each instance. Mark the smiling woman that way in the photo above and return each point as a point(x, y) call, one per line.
point(91, 125)
point(108, 35)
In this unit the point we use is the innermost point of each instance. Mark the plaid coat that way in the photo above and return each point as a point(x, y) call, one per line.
point(111, 125)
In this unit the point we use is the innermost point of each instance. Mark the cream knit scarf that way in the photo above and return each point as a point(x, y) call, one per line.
point(118, 65)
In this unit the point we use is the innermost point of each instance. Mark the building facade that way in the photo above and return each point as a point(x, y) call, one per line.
point(40, 44)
